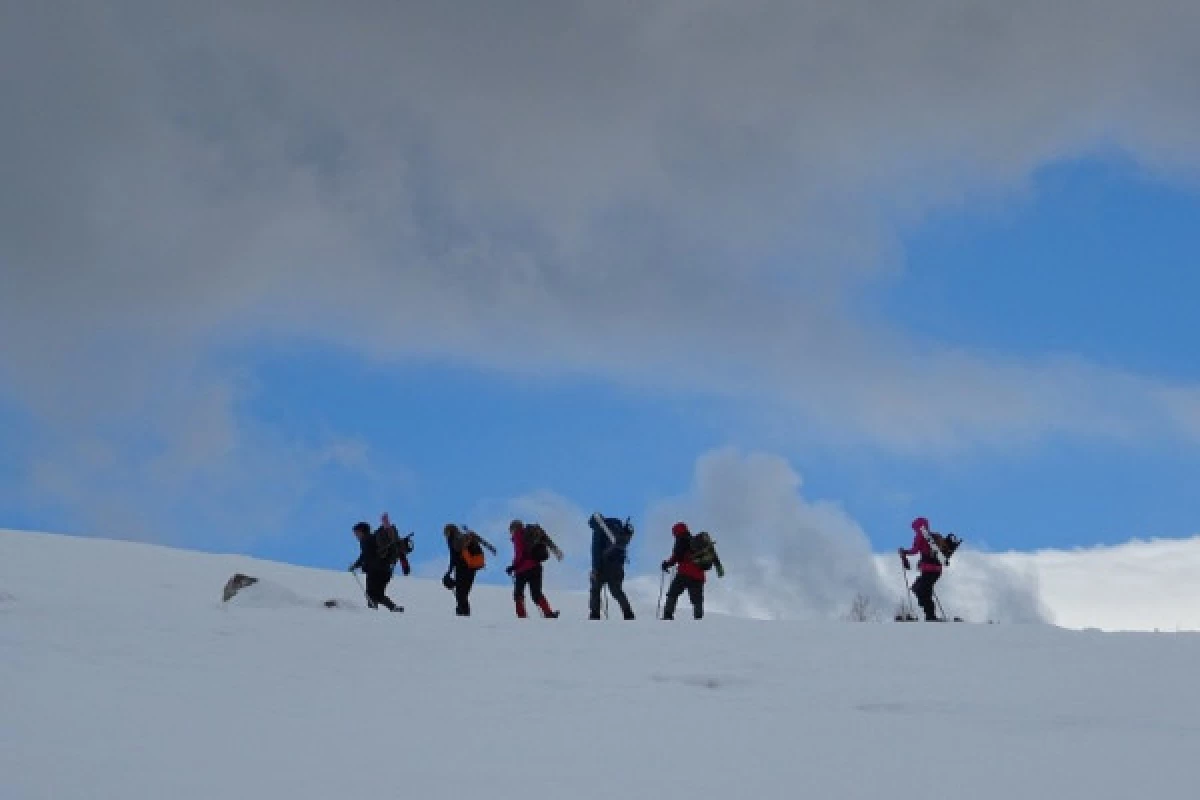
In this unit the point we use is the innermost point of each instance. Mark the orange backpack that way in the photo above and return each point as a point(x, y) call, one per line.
point(472, 553)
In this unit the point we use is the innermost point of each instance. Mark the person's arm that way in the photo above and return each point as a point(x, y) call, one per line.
point(677, 553)
point(361, 563)
point(518, 551)
point(598, 551)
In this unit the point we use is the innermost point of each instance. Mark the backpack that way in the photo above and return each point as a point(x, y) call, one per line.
point(472, 553)
point(618, 533)
point(946, 545)
point(391, 546)
point(538, 542)
point(703, 551)
point(539, 545)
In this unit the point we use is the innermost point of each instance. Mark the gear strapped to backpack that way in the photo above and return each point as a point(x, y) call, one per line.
point(618, 533)
point(391, 546)
point(540, 544)
point(703, 551)
point(946, 545)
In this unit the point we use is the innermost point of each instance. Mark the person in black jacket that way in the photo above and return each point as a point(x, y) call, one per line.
point(375, 567)
point(610, 538)
point(466, 558)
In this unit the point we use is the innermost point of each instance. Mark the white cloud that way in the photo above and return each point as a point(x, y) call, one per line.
point(680, 194)
point(1139, 585)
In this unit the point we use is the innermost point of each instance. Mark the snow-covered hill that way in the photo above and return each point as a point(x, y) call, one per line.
point(122, 675)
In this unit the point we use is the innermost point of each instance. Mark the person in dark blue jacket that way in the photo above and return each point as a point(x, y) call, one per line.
point(610, 539)
point(377, 569)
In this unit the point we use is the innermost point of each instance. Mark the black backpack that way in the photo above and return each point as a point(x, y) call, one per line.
point(391, 546)
point(538, 541)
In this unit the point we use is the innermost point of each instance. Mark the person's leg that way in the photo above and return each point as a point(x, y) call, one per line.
point(696, 595)
point(535, 591)
point(519, 584)
point(616, 586)
point(673, 592)
point(922, 588)
point(377, 589)
point(464, 579)
point(595, 584)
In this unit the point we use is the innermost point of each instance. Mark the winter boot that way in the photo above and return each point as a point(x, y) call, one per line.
point(628, 614)
point(594, 615)
point(521, 608)
point(547, 612)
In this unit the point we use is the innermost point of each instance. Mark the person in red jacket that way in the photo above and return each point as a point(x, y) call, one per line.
point(929, 565)
point(689, 576)
point(526, 568)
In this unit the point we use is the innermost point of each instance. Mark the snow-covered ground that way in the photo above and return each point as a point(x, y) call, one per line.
point(123, 676)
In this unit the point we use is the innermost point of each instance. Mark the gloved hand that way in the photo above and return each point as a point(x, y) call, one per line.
point(666, 566)
point(508, 571)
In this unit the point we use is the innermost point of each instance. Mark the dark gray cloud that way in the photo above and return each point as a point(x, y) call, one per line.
point(488, 181)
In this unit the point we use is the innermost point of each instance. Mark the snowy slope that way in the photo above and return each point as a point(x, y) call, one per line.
point(123, 676)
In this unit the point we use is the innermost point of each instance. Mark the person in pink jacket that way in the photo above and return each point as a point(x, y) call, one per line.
point(526, 568)
point(929, 565)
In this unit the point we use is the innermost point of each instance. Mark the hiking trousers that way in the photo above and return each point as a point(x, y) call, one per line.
point(533, 579)
point(464, 579)
point(695, 590)
point(613, 577)
point(923, 589)
point(377, 581)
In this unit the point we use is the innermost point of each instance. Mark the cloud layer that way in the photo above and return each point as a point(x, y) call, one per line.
point(689, 193)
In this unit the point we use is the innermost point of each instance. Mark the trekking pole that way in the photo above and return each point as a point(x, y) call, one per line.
point(360, 585)
point(906, 601)
point(662, 579)
point(938, 600)
point(606, 602)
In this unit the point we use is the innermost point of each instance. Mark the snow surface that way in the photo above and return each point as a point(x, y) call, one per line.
point(122, 675)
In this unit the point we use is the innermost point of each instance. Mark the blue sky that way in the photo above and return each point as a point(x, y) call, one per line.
point(247, 306)
point(1095, 259)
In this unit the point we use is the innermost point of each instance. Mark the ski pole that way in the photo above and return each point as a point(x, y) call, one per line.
point(938, 600)
point(661, 580)
point(360, 585)
point(906, 601)
point(606, 602)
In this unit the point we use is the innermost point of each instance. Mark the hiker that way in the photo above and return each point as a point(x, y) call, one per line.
point(610, 540)
point(466, 558)
point(934, 551)
point(531, 546)
point(379, 553)
point(692, 555)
